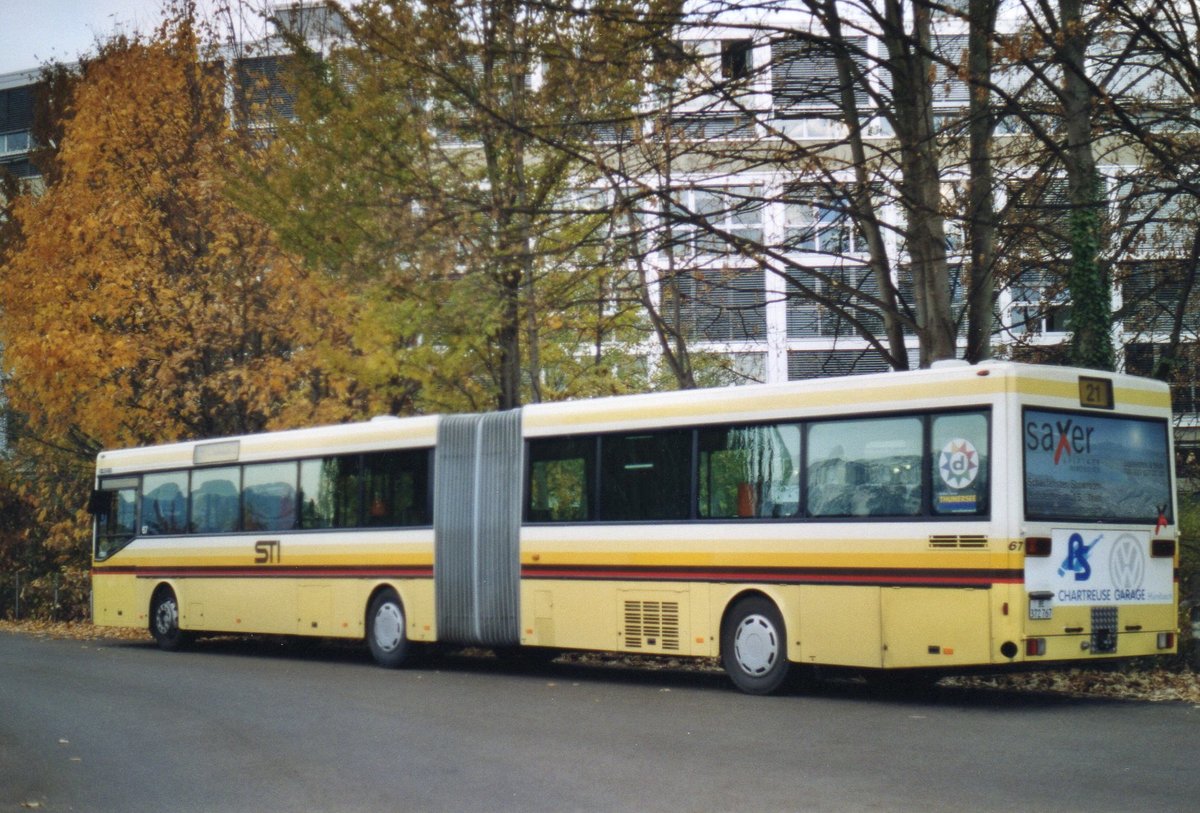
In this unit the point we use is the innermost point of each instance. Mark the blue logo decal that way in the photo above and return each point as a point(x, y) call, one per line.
point(1077, 557)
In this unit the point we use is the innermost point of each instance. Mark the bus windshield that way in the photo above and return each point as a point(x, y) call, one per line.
point(1095, 468)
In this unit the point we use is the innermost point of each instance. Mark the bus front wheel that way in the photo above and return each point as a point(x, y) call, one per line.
point(754, 646)
point(164, 620)
point(386, 630)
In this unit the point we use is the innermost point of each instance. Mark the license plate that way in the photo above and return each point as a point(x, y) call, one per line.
point(1040, 609)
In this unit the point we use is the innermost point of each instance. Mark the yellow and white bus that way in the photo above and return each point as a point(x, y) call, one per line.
point(965, 516)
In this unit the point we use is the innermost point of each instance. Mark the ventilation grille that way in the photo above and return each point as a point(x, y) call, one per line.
point(956, 542)
point(652, 625)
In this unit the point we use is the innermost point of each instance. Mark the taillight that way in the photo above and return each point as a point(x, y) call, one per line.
point(1035, 647)
point(1162, 548)
point(1037, 546)
point(1166, 640)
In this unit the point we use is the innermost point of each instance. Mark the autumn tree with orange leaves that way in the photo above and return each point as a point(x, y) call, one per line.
point(139, 305)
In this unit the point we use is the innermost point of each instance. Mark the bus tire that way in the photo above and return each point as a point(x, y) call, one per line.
point(164, 620)
point(754, 646)
point(386, 628)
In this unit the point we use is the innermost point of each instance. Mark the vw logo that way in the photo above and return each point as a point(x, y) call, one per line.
point(1127, 563)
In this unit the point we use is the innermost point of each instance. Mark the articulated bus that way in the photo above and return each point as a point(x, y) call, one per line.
point(990, 516)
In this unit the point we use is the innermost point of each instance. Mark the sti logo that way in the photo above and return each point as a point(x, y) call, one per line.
point(1064, 438)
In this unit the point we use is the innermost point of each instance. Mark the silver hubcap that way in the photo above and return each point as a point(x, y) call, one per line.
point(166, 620)
point(756, 645)
point(388, 628)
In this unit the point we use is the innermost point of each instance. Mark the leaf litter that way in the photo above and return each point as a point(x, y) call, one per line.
point(1148, 684)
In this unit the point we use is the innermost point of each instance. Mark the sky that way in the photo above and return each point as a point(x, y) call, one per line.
point(32, 33)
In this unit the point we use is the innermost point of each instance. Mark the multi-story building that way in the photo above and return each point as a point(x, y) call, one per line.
point(16, 123)
point(784, 90)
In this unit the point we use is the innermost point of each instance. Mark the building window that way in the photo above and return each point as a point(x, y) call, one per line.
point(16, 143)
point(263, 89)
point(721, 305)
point(716, 221)
point(1038, 303)
point(828, 302)
point(803, 364)
point(1154, 222)
point(1152, 294)
point(818, 219)
point(1141, 358)
point(736, 59)
point(805, 74)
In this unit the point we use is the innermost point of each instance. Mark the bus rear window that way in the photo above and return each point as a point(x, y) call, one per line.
point(1087, 467)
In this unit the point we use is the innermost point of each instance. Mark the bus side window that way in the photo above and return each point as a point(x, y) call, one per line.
point(164, 503)
point(269, 497)
point(397, 485)
point(959, 455)
point(646, 476)
point(868, 467)
point(329, 492)
point(215, 500)
point(561, 471)
point(750, 472)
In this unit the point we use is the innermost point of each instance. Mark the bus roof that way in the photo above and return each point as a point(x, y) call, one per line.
point(946, 385)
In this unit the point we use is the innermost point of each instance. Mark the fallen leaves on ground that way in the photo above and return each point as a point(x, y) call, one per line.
point(73, 631)
point(1148, 685)
point(1154, 685)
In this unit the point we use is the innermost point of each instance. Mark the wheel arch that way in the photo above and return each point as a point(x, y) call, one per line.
point(754, 592)
point(160, 587)
point(376, 591)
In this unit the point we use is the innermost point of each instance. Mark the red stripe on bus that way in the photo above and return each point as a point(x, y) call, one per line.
point(278, 572)
point(784, 576)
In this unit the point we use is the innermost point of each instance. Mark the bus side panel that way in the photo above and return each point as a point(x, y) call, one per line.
point(935, 626)
point(570, 614)
point(417, 596)
point(282, 606)
point(839, 625)
point(636, 617)
point(115, 601)
point(237, 605)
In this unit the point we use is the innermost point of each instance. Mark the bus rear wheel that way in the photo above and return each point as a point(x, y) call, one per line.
point(754, 646)
point(386, 630)
point(164, 620)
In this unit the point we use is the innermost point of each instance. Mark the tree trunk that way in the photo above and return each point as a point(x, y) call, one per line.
point(920, 185)
point(981, 214)
point(1091, 299)
point(866, 216)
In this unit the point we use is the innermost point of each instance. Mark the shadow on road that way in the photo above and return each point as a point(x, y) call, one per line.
point(667, 673)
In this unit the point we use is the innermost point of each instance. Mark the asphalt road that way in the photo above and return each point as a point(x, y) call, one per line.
point(238, 726)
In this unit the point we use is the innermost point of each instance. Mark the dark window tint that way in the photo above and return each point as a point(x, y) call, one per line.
point(646, 476)
point(396, 488)
point(561, 471)
point(330, 493)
